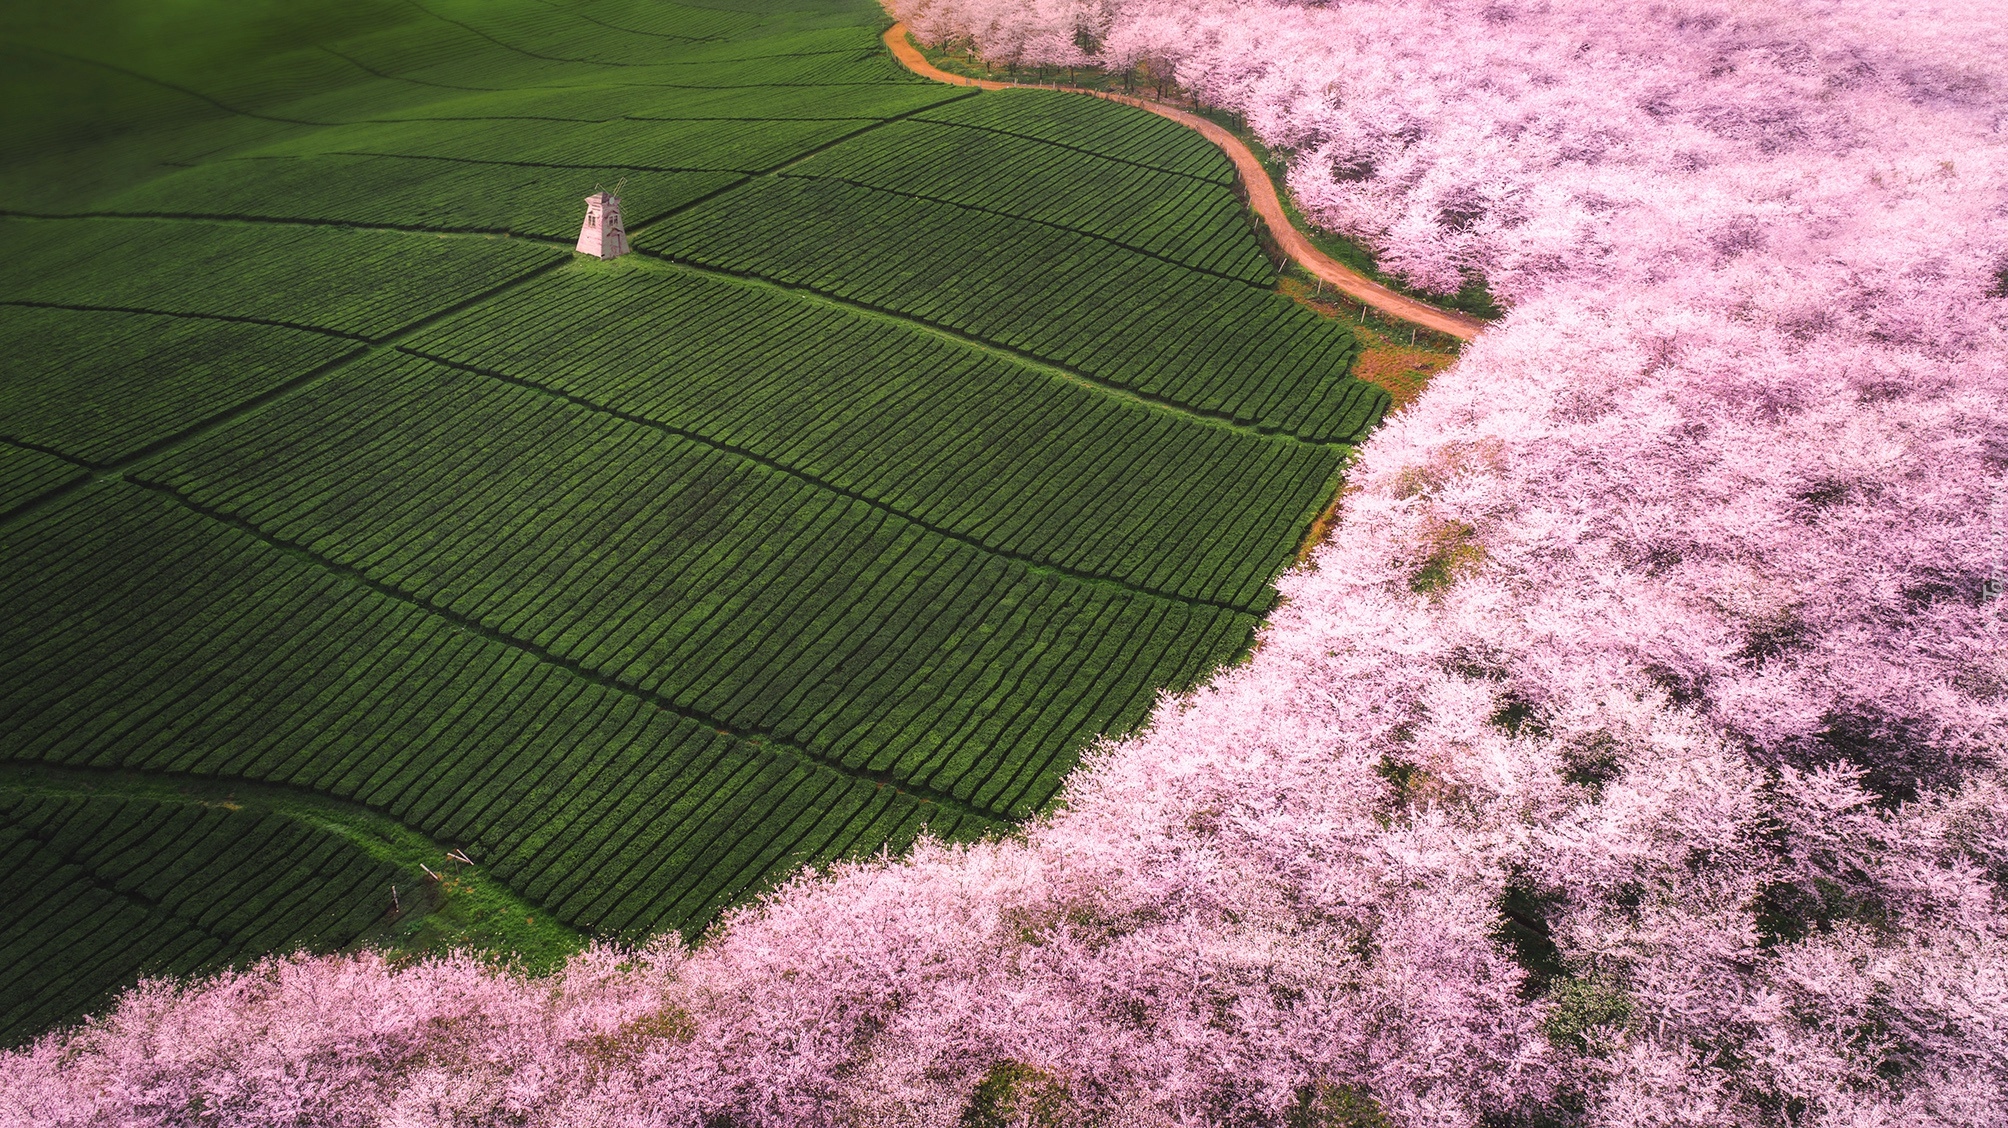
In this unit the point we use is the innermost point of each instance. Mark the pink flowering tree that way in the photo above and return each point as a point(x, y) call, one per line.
point(1632, 754)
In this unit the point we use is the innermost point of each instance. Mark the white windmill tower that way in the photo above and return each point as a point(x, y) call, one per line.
point(604, 235)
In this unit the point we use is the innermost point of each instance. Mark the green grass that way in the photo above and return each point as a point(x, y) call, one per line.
point(929, 436)
point(111, 876)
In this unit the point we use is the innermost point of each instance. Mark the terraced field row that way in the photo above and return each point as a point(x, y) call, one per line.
point(209, 652)
point(1126, 319)
point(411, 191)
point(1056, 119)
point(372, 76)
point(28, 474)
point(831, 56)
point(1192, 221)
point(144, 378)
point(648, 145)
point(99, 891)
point(171, 104)
point(364, 284)
point(754, 105)
point(1016, 460)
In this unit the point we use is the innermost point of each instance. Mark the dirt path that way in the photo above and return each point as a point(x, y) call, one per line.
point(1261, 196)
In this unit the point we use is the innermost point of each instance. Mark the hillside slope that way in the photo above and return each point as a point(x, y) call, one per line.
point(927, 436)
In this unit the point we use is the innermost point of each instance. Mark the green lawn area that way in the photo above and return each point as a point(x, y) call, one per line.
point(927, 436)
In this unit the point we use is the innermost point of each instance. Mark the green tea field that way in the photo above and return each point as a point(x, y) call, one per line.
point(927, 436)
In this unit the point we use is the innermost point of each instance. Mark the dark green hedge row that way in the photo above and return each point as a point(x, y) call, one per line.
point(1194, 221)
point(1126, 319)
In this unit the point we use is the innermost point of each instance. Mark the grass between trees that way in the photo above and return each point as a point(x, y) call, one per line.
point(929, 435)
point(114, 874)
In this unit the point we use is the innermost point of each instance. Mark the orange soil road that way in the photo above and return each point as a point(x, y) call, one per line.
point(1261, 196)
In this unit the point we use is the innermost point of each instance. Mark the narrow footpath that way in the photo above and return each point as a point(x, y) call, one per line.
point(1262, 197)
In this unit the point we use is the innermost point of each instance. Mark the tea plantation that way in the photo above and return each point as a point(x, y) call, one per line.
point(927, 436)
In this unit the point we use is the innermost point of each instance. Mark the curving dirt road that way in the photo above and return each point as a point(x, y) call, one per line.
point(1261, 196)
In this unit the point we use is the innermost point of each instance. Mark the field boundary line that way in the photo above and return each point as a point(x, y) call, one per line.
point(164, 84)
point(523, 51)
point(372, 345)
point(1262, 197)
point(287, 221)
point(134, 896)
point(141, 311)
point(480, 160)
point(527, 53)
point(755, 737)
point(375, 832)
point(236, 410)
point(875, 124)
point(1033, 360)
point(147, 783)
point(90, 476)
point(831, 487)
point(1229, 184)
point(388, 77)
point(367, 348)
point(832, 51)
point(370, 348)
point(745, 177)
point(979, 209)
point(694, 86)
point(52, 452)
point(597, 121)
point(637, 31)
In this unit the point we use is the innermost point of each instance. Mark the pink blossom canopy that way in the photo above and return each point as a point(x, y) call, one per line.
point(1631, 755)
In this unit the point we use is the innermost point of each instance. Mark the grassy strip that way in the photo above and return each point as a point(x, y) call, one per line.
point(465, 910)
point(1394, 355)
